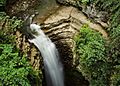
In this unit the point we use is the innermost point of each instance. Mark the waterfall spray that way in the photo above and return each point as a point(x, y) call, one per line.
point(52, 64)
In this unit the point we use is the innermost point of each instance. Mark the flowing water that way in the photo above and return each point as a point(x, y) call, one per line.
point(52, 64)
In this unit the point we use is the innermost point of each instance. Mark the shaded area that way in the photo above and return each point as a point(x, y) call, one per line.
point(75, 78)
point(72, 76)
point(21, 8)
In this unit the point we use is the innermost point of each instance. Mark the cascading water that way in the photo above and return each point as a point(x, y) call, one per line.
point(52, 64)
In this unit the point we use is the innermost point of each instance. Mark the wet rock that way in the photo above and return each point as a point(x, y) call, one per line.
point(68, 2)
point(68, 20)
point(30, 50)
point(62, 26)
point(20, 8)
point(93, 13)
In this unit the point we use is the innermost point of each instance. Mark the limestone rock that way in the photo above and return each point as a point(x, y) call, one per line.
point(20, 8)
point(62, 26)
point(31, 51)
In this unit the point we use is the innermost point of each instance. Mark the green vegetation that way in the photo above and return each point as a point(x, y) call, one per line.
point(92, 54)
point(114, 33)
point(109, 56)
point(2, 2)
point(110, 6)
point(2, 5)
point(99, 60)
point(15, 69)
point(84, 1)
point(8, 28)
point(113, 9)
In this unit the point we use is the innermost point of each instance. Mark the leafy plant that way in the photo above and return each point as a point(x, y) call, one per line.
point(108, 60)
point(8, 27)
point(90, 46)
point(113, 11)
point(13, 69)
point(2, 5)
point(84, 1)
point(2, 2)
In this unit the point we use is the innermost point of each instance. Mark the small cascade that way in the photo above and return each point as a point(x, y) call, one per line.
point(52, 64)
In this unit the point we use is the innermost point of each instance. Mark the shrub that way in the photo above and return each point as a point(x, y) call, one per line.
point(8, 27)
point(2, 2)
point(13, 69)
point(90, 47)
point(113, 48)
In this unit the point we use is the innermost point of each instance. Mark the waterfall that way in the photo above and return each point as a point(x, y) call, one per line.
point(52, 64)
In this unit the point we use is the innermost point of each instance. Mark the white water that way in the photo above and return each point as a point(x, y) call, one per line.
point(52, 64)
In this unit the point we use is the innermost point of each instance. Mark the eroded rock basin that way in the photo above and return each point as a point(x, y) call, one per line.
point(61, 24)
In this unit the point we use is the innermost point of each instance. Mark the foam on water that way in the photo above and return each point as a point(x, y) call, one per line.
point(52, 64)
